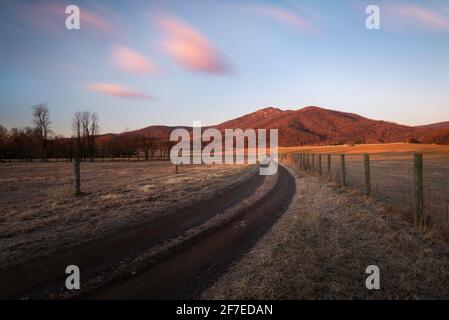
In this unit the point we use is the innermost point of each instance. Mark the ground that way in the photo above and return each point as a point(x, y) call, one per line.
point(372, 148)
point(318, 249)
point(322, 245)
point(392, 176)
point(40, 214)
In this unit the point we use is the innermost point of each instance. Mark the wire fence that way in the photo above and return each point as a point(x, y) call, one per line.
point(414, 185)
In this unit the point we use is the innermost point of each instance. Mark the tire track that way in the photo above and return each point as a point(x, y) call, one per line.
point(45, 276)
point(187, 272)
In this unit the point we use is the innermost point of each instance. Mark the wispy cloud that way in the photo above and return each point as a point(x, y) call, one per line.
point(50, 16)
point(286, 17)
point(117, 90)
point(190, 48)
point(418, 16)
point(95, 21)
point(132, 61)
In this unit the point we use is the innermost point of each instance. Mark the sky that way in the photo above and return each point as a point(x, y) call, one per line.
point(140, 63)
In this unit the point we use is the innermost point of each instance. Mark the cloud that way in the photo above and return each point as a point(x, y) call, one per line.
point(132, 61)
point(95, 21)
point(117, 90)
point(286, 17)
point(191, 49)
point(418, 16)
point(50, 16)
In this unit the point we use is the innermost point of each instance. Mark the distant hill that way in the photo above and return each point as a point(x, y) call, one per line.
point(319, 126)
point(314, 125)
point(438, 125)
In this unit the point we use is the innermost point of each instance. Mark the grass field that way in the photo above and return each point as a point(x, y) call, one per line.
point(388, 148)
point(321, 246)
point(39, 213)
point(392, 176)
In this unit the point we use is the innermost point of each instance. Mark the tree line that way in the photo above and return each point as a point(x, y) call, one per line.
point(39, 141)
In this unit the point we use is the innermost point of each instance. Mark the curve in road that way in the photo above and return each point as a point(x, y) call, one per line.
point(186, 273)
point(44, 276)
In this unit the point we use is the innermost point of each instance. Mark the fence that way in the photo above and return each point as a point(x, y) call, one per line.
point(96, 159)
point(411, 184)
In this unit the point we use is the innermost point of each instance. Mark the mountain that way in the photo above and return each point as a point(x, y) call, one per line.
point(261, 117)
point(314, 125)
point(159, 131)
point(438, 125)
point(319, 126)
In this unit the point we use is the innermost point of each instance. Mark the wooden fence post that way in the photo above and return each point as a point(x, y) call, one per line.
point(342, 170)
point(319, 164)
point(76, 169)
point(367, 175)
point(313, 163)
point(419, 189)
point(329, 165)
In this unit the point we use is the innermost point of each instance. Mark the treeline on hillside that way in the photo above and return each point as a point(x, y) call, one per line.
point(39, 142)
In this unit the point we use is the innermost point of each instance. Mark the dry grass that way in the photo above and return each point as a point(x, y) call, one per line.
point(39, 214)
point(132, 265)
point(322, 245)
point(392, 183)
point(390, 148)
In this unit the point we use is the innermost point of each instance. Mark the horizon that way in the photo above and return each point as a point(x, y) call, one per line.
point(163, 63)
point(263, 108)
point(221, 122)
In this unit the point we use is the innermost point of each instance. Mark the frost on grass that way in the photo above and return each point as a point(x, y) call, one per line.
point(133, 265)
point(39, 214)
point(321, 246)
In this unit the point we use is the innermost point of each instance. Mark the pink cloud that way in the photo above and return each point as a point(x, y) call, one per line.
point(286, 17)
point(191, 49)
point(419, 16)
point(132, 61)
point(117, 90)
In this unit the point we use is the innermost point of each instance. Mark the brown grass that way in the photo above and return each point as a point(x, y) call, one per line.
point(392, 183)
point(40, 215)
point(387, 148)
point(321, 247)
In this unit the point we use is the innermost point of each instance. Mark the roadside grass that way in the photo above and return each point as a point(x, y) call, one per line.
point(39, 215)
point(382, 148)
point(322, 245)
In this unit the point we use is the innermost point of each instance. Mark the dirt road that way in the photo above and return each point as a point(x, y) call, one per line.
point(185, 274)
point(44, 278)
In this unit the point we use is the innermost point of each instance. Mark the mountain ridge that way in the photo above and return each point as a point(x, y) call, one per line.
point(313, 125)
point(437, 125)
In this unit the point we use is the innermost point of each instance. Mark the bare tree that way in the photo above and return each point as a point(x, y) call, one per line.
point(85, 130)
point(3, 141)
point(42, 122)
point(94, 130)
point(77, 130)
point(85, 122)
point(77, 133)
